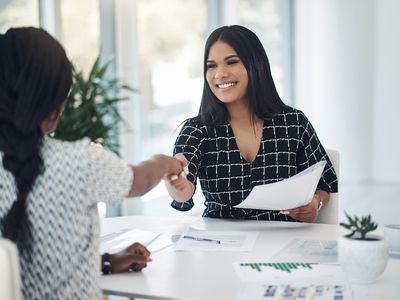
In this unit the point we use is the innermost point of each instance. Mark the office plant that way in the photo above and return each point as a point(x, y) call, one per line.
point(359, 227)
point(91, 109)
point(362, 255)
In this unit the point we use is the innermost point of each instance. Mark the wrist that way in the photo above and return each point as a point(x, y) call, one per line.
point(319, 201)
point(106, 264)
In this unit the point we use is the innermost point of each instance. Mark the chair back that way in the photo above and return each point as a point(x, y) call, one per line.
point(10, 281)
point(329, 214)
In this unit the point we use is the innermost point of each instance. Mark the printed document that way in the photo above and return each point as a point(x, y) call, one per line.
point(290, 291)
point(289, 193)
point(307, 250)
point(210, 240)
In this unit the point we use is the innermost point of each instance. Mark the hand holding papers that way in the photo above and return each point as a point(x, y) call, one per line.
point(290, 193)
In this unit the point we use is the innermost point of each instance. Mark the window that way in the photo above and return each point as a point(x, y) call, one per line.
point(16, 13)
point(171, 40)
point(80, 23)
point(271, 21)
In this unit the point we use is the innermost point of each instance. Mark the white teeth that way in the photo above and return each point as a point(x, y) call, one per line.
point(225, 85)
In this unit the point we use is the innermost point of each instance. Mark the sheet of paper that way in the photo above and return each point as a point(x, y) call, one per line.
point(306, 250)
point(268, 291)
point(207, 240)
point(117, 241)
point(289, 272)
point(286, 194)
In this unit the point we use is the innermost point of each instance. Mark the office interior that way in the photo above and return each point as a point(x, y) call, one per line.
point(337, 60)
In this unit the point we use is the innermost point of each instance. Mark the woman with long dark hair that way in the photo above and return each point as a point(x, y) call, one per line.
point(49, 189)
point(244, 135)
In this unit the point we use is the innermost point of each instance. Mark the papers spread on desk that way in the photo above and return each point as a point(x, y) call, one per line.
point(268, 291)
point(307, 250)
point(285, 272)
point(290, 280)
point(117, 241)
point(289, 193)
point(210, 240)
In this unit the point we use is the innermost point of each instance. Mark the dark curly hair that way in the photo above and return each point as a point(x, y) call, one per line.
point(35, 78)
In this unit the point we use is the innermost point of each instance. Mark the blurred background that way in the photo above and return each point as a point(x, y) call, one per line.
point(337, 60)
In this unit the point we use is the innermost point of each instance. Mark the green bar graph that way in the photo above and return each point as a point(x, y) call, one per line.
point(280, 266)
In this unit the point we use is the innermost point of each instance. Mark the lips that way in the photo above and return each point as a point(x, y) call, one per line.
point(226, 85)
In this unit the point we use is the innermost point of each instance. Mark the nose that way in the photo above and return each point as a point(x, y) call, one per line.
point(220, 73)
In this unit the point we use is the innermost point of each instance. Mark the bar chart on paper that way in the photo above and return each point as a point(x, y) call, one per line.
point(285, 267)
point(289, 272)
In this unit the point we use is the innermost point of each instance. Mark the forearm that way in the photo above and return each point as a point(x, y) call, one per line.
point(147, 175)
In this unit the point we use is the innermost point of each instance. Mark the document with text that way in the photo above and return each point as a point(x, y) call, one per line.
point(289, 193)
point(210, 240)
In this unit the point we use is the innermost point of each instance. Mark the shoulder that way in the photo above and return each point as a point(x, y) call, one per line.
point(64, 150)
point(193, 126)
point(294, 116)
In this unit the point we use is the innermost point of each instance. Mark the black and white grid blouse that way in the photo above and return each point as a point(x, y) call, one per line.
point(289, 145)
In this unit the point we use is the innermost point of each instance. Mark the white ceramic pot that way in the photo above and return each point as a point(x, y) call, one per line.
point(363, 261)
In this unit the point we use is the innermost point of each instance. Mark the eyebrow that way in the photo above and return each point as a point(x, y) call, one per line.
point(226, 58)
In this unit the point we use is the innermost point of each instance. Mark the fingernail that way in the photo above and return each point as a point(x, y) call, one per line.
point(284, 212)
point(174, 177)
point(186, 170)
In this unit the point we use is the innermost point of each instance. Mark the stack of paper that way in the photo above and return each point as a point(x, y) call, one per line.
point(286, 194)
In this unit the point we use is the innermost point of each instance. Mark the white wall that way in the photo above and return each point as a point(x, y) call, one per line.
point(345, 72)
point(386, 147)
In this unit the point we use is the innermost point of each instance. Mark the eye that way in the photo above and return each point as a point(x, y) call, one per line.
point(232, 61)
point(211, 65)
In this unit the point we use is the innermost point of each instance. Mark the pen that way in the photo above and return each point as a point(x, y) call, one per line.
point(201, 239)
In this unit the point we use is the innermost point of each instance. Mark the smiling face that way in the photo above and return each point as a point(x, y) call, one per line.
point(226, 75)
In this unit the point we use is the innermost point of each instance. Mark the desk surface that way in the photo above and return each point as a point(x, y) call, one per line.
point(210, 275)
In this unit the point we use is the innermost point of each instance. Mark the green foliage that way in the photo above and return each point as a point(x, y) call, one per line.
point(91, 109)
point(361, 226)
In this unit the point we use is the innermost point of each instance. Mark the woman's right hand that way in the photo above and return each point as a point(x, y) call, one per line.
point(178, 186)
point(179, 181)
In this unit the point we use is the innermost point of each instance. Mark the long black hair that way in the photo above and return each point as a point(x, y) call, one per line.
point(264, 101)
point(35, 77)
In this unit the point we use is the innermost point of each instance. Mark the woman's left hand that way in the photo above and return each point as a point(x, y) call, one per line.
point(307, 213)
point(135, 258)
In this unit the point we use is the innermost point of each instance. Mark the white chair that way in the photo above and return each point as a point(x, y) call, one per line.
point(329, 214)
point(10, 281)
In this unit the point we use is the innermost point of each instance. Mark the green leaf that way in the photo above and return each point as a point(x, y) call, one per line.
point(91, 109)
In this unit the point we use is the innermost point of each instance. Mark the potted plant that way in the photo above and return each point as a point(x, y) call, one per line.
point(91, 109)
point(362, 255)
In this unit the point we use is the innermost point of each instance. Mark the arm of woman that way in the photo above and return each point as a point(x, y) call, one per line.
point(309, 213)
point(135, 258)
point(148, 173)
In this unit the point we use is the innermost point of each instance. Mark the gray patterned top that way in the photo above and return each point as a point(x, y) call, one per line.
point(62, 210)
point(289, 145)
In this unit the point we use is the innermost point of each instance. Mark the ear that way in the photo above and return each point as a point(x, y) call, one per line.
point(49, 124)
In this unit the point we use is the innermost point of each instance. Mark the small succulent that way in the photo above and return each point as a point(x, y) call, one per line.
point(361, 226)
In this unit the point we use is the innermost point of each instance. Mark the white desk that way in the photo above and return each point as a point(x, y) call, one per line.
point(210, 275)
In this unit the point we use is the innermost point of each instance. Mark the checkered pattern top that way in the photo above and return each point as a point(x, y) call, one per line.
point(289, 145)
point(62, 210)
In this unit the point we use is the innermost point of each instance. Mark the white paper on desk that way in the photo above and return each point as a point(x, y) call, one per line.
point(229, 240)
point(289, 193)
point(293, 291)
point(285, 272)
point(117, 241)
point(308, 251)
